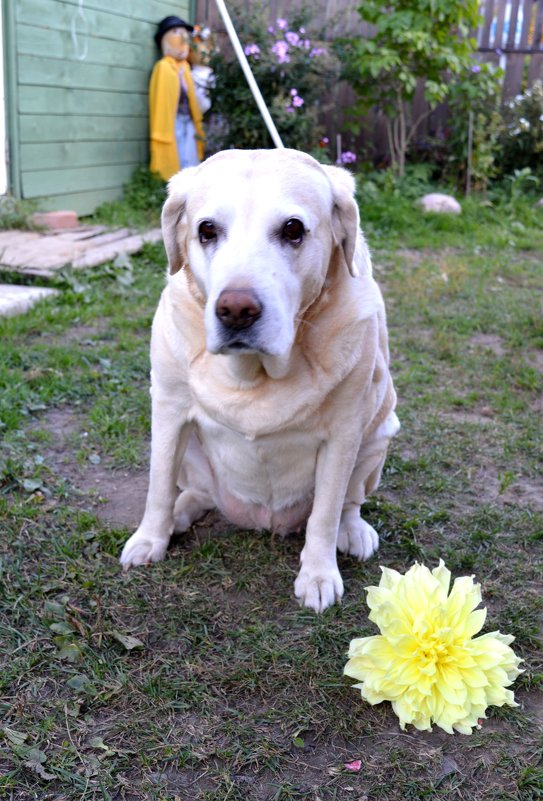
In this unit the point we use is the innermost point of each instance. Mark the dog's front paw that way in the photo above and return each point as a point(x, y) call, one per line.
point(142, 548)
point(318, 590)
point(355, 536)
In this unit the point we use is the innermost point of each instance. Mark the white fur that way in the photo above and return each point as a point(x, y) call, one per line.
point(295, 427)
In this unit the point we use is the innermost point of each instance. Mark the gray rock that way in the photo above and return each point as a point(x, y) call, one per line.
point(442, 204)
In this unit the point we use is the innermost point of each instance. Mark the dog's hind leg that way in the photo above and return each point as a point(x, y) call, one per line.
point(190, 506)
point(355, 536)
point(195, 481)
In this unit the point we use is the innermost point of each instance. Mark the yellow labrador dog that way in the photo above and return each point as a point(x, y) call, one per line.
point(272, 399)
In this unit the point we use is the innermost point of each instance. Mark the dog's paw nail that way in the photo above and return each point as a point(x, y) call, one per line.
point(142, 551)
point(318, 592)
point(357, 538)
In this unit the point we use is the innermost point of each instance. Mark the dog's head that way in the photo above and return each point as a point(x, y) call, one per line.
point(257, 230)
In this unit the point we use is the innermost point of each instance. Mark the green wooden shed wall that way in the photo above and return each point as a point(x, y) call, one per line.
point(77, 73)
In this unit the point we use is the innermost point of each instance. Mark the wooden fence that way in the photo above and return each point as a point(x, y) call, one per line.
point(511, 36)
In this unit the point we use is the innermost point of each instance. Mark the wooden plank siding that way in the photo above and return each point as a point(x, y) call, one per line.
point(80, 71)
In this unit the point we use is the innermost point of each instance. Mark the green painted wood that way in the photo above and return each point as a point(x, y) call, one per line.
point(37, 71)
point(81, 202)
point(145, 10)
point(93, 24)
point(76, 179)
point(89, 22)
point(11, 88)
point(57, 155)
point(48, 101)
point(83, 128)
point(47, 42)
point(81, 105)
point(140, 9)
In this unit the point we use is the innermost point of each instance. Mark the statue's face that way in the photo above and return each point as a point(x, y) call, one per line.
point(175, 42)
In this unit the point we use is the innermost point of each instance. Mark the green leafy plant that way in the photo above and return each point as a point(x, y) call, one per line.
point(521, 183)
point(140, 205)
point(474, 126)
point(16, 213)
point(291, 68)
point(521, 139)
point(412, 41)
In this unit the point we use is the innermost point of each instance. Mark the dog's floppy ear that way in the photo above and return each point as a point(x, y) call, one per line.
point(174, 219)
point(345, 215)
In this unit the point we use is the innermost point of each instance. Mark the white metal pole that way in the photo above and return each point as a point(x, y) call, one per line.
point(242, 58)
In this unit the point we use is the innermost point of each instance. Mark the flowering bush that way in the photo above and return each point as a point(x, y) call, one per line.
point(425, 661)
point(476, 92)
point(521, 139)
point(291, 68)
point(412, 40)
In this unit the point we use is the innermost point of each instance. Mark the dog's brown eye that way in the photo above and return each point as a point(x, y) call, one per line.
point(206, 231)
point(293, 231)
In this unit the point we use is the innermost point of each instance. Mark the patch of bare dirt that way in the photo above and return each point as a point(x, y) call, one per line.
point(116, 496)
point(491, 342)
point(85, 334)
point(482, 417)
point(534, 359)
point(522, 491)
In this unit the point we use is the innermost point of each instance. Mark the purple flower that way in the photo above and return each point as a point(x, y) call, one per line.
point(302, 30)
point(317, 51)
point(476, 68)
point(271, 29)
point(295, 102)
point(282, 24)
point(348, 157)
point(280, 49)
point(252, 50)
point(292, 38)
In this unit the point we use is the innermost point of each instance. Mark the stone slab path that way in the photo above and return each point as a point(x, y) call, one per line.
point(42, 255)
point(16, 299)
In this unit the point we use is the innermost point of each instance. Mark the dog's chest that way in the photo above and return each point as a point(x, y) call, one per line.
point(276, 470)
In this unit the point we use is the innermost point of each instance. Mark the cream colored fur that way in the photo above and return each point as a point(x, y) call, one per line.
point(293, 429)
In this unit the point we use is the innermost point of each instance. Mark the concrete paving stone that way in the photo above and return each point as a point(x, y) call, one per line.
point(19, 299)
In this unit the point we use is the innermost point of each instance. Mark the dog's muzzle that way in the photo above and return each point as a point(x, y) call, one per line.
point(238, 309)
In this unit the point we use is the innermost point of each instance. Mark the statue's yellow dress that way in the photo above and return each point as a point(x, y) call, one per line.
point(164, 92)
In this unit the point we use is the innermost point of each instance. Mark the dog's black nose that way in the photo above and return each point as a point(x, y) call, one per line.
point(238, 308)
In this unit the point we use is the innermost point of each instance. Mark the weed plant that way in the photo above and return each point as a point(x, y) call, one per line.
point(140, 206)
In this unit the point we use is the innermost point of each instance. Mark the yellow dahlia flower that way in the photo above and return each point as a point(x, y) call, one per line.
point(425, 661)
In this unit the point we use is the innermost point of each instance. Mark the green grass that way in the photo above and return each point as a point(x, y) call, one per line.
point(200, 678)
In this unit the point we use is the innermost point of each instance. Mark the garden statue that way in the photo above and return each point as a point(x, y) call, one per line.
point(175, 117)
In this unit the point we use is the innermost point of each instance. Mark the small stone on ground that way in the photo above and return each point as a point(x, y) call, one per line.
point(16, 299)
point(439, 203)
